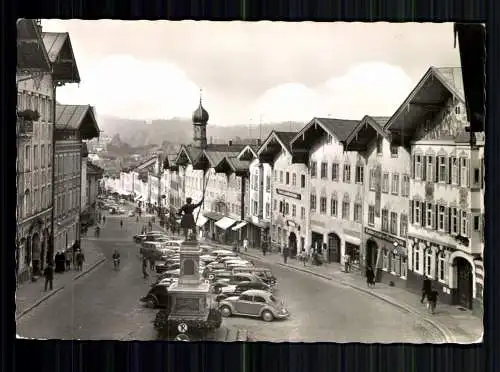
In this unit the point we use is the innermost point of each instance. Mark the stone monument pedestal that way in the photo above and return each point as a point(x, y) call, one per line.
point(190, 296)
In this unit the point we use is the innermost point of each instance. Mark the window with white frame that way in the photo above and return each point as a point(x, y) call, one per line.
point(394, 223)
point(347, 173)
point(360, 173)
point(464, 224)
point(417, 260)
point(417, 212)
point(464, 172)
point(287, 208)
point(313, 202)
point(324, 170)
point(372, 179)
point(454, 171)
point(371, 215)
point(454, 220)
point(396, 264)
point(385, 220)
point(403, 225)
point(442, 169)
point(345, 208)
point(429, 168)
point(380, 142)
point(418, 167)
point(281, 176)
point(333, 206)
point(429, 215)
point(441, 266)
point(287, 178)
point(405, 186)
point(294, 210)
point(313, 167)
point(404, 267)
point(441, 218)
point(476, 223)
point(335, 172)
point(385, 182)
point(268, 209)
point(428, 263)
point(294, 179)
point(322, 204)
point(395, 184)
point(394, 150)
point(302, 180)
point(357, 212)
point(302, 213)
point(385, 259)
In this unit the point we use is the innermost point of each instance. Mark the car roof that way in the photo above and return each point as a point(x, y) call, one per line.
point(245, 274)
point(257, 292)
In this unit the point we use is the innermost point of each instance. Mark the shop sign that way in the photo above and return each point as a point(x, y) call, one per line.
point(384, 236)
point(288, 194)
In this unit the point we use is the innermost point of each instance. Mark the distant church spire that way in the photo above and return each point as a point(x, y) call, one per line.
point(200, 119)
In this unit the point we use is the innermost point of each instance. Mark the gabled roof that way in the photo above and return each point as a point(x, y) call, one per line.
point(77, 117)
point(60, 52)
point(230, 164)
point(337, 128)
point(274, 144)
point(93, 169)
point(145, 164)
point(365, 132)
point(169, 160)
point(248, 149)
point(187, 154)
point(429, 96)
point(31, 52)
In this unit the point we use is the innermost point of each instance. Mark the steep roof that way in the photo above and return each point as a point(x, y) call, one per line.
point(60, 52)
point(368, 129)
point(93, 169)
point(31, 52)
point(77, 117)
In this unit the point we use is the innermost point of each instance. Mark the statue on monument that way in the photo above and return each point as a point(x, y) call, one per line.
point(188, 224)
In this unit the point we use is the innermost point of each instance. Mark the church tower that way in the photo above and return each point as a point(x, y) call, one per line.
point(200, 119)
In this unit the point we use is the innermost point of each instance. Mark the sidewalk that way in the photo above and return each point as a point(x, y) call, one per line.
point(456, 325)
point(31, 294)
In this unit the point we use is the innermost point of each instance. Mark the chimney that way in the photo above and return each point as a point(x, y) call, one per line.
point(230, 142)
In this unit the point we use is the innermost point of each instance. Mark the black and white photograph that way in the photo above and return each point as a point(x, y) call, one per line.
point(250, 181)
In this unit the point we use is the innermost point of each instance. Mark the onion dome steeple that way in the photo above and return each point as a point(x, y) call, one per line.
point(200, 115)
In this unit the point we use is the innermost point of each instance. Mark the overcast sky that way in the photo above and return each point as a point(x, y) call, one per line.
point(280, 71)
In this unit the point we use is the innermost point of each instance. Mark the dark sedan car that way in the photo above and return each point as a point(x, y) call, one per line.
point(157, 296)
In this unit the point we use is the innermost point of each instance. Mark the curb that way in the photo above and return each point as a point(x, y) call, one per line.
point(445, 332)
point(90, 268)
point(38, 302)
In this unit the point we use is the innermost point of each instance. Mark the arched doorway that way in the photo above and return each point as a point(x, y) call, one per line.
point(464, 282)
point(35, 253)
point(333, 248)
point(371, 253)
point(292, 244)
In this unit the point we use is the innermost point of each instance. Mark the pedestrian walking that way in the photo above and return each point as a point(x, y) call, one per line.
point(103, 219)
point(432, 300)
point(370, 277)
point(121, 224)
point(80, 259)
point(264, 248)
point(68, 256)
point(303, 256)
point(347, 263)
point(286, 252)
point(426, 289)
point(151, 263)
point(245, 244)
point(145, 267)
point(48, 273)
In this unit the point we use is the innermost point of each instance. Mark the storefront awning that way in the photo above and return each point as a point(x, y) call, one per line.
point(201, 220)
point(225, 222)
point(239, 226)
point(352, 240)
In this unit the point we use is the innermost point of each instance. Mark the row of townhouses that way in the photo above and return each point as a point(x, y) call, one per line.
point(56, 185)
point(403, 193)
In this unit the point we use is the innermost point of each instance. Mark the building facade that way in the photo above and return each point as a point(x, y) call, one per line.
point(74, 123)
point(289, 194)
point(35, 123)
point(446, 206)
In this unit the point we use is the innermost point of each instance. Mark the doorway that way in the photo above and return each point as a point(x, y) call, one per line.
point(333, 248)
point(316, 241)
point(464, 282)
point(371, 253)
point(292, 244)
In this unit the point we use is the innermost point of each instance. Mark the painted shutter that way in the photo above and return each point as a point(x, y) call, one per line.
point(450, 167)
point(411, 211)
point(424, 168)
point(413, 166)
point(467, 167)
point(446, 219)
point(468, 224)
point(447, 170)
point(459, 222)
point(436, 169)
point(448, 214)
point(423, 222)
point(436, 217)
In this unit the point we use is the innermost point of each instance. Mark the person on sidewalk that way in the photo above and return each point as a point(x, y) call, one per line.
point(432, 300)
point(286, 252)
point(245, 244)
point(151, 263)
point(68, 255)
point(48, 273)
point(80, 259)
point(303, 256)
point(426, 289)
point(145, 268)
point(264, 248)
point(370, 277)
point(347, 263)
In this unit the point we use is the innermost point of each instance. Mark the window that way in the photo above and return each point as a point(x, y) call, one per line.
point(476, 223)
point(457, 109)
point(418, 167)
point(441, 267)
point(294, 179)
point(287, 178)
point(27, 159)
point(477, 177)
point(441, 218)
point(442, 169)
point(324, 170)
point(302, 180)
point(372, 179)
point(275, 206)
point(429, 216)
point(302, 213)
point(281, 176)
point(395, 184)
point(313, 202)
point(358, 212)
point(394, 151)
point(322, 205)
point(429, 168)
point(333, 206)
point(385, 182)
point(268, 209)
point(385, 220)
point(287, 208)
point(404, 267)
point(454, 171)
point(259, 299)
point(385, 259)
point(345, 209)
point(428, 263)
point(49, 155)
point(255, 209)
point(417, 251)
point(405, 186)
point(268, 183)
point(294, 210)
point(396, 264)
point(464, 224)
point(371, 215)
point(347, 173)
point(335, 172)
point(416, 212)
point(403, 225)
point(360, 176)
point(245, 297)
point(42, 156)
point(380, 141)
point(313, 169)
point(394, 223)
point(464, 172)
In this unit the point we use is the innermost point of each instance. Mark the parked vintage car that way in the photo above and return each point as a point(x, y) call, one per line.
point(254, 303)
